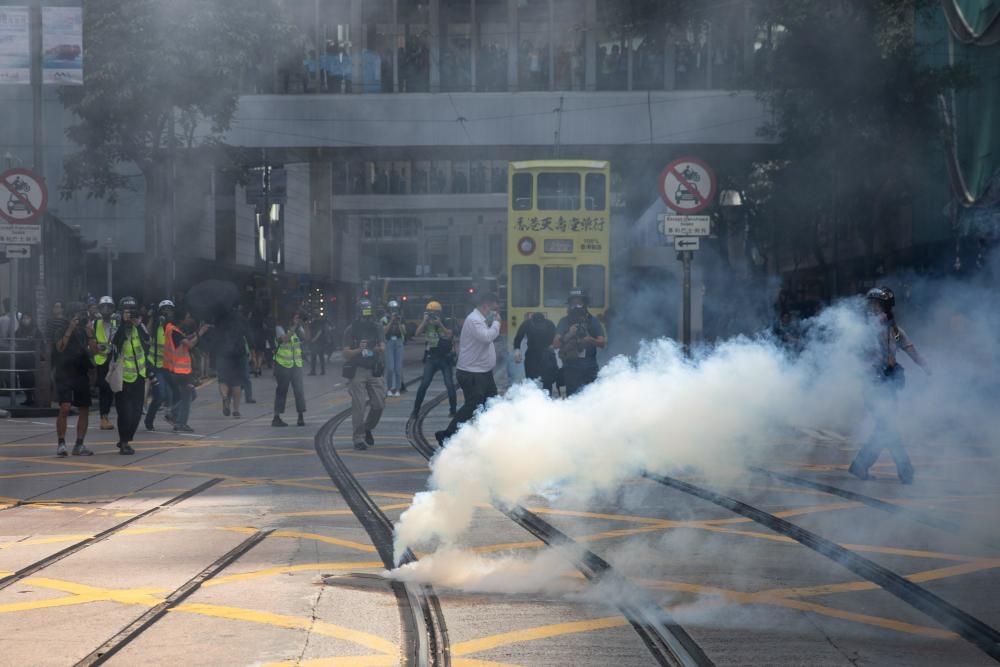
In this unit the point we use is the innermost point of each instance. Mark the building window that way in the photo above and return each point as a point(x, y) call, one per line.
point(533, 51)
point(558, 283)
point(440, 170)
point(491, 61)
point(341, 180)
point(460, 176)
point(479, 176)
point(496, 254)
point(336, 67)
point(456, 45)
point(591, 278)
point(558, 191)
point(465, 255)
point(524, 287)
point(499, 176)
point(421, 176)
point(522, 192)
point(596, 192)
point(379, 46)
point(414, 46)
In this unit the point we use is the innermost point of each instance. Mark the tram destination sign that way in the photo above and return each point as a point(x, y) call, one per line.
point(20, 234)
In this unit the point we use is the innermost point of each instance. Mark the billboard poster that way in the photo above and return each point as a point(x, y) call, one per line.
point(15, 54)
point(62, 45)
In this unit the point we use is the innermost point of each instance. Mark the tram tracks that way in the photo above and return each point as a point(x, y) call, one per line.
point(970, 628)
point(425, 641)
point(668, 642)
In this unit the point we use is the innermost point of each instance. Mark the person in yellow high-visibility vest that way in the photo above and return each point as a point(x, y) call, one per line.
point(162, 393)
point(104, 327)
point(288, 364)
point(129, 345)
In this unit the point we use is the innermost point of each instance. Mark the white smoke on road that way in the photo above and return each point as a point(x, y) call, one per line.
point(658, 412)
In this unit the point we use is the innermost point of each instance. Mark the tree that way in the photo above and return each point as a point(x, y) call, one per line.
point(160, 76)
point(852, 101)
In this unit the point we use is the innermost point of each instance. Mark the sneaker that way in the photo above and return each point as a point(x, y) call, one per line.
point(225, 407)
point(402, 390)
point(250, 400)
point(277, 421)
point(106, 424)
point(360, 446)
point(79, 449)
point(149, 427)
point(369, 439)
point(440, 436)
point(236, 414)
point(183, 428)
point(61, 449)
point(858, 471)
point(125, 449)
point(301, 421)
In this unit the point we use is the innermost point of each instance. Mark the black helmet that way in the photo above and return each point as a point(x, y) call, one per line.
point(883, 295)
point(578, 293)
point(128, 303)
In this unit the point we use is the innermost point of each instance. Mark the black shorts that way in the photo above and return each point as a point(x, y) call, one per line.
point(231, 370)
point(74, 389)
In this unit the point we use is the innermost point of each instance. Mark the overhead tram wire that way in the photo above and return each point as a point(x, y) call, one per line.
point(667, 641)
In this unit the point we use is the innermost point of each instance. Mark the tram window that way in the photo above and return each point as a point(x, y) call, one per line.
point(596, 192)
point(521, 192)
point(591, 278)
point(524, 285)
point(558, 283)
point(558, 192)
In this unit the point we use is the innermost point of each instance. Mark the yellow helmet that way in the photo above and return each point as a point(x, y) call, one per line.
point(434, 306)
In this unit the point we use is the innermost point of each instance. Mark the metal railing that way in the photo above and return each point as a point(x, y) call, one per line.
point(19, 367)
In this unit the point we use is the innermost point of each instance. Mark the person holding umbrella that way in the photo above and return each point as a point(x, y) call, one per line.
point(288, 367)
point(129, 344)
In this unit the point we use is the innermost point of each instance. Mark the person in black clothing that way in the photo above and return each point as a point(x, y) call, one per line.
point(73, 348)
point(578, 337)
point(231, 358)
point(540, 359)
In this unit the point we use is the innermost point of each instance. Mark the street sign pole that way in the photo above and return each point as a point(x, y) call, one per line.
point(42, 394)
point(14, 267)
point(686, 257)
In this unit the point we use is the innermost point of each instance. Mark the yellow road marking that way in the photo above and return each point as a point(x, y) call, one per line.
point(534, 634)
point(287, 569)
point(384, 508)
point(19, 475)
point(292, 623)
point(367, 548)
point(252, 457)
point(382, 457)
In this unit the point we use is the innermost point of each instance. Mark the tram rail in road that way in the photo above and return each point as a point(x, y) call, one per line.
point(424, 631)
point(668, 642)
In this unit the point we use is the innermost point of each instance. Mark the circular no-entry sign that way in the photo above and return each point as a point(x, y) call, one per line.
point(687, 185)
point(23, 196)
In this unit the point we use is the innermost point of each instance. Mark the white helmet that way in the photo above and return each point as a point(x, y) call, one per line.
point(393, 305)
point(166, 303)
point(106, 301)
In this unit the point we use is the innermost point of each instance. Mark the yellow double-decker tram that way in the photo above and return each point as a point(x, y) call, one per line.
point(558, 235)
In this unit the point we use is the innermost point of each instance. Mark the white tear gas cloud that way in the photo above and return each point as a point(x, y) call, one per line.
point(730, 405)
point(657, 413)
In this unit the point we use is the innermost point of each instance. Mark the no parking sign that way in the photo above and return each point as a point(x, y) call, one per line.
point(23, 196)
point(687, 185)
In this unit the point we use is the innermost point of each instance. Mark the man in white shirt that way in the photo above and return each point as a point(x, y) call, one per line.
point(476, 358)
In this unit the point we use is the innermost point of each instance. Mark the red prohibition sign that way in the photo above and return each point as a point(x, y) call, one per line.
point(13, 197)
point(688, 190)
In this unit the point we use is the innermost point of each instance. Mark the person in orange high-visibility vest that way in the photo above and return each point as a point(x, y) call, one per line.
point(177, 360)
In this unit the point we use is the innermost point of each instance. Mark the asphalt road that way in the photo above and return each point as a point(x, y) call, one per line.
point(747, 595)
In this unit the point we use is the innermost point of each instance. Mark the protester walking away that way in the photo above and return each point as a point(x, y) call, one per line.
point(162, 384)
point(439, 355)
point(317, 345)
point(231, 362)
point(104, 329)
point(29, 346)
point(128, 346)
point(889, 378)
point(477, 356)
point(394, 332)
point(73, 350)
point(539, 359)
point(364, 364)
point(177, 360)
point(288, 368)
point(578, 337)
